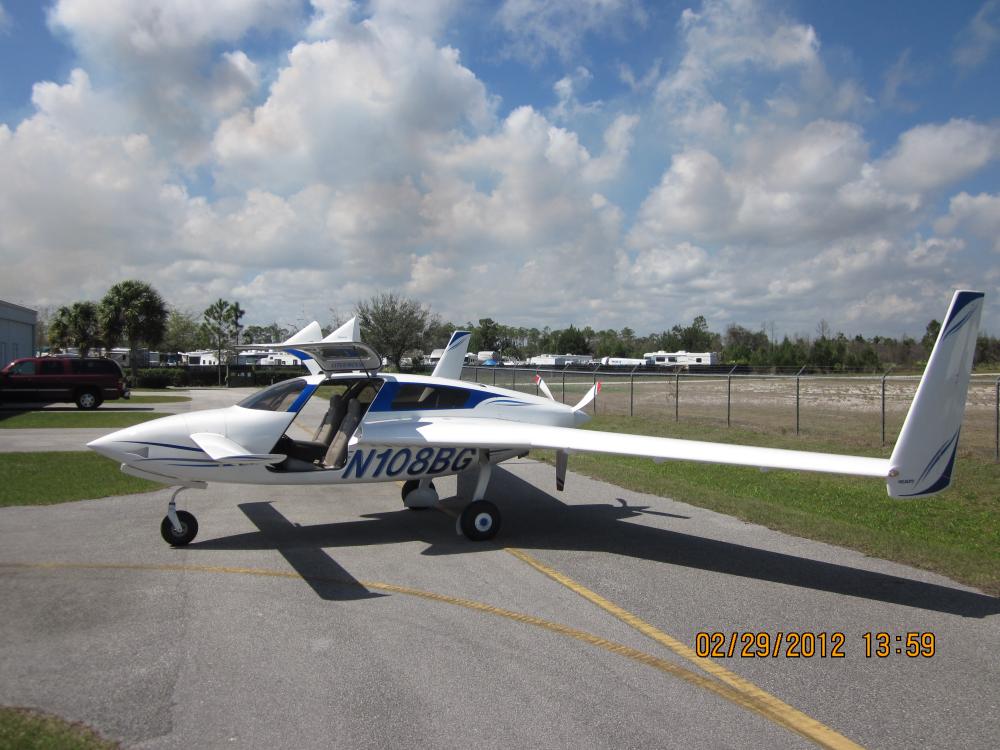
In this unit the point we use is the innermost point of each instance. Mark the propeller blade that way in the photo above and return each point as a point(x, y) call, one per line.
point(589, 396)
point(543, 388)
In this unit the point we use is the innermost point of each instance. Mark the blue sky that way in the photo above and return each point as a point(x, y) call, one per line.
point(597, 162)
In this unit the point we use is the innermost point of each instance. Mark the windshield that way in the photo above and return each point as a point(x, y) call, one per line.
point(278, 397)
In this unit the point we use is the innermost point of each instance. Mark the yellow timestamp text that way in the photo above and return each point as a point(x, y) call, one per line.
point(882, 644)
point(809, 644)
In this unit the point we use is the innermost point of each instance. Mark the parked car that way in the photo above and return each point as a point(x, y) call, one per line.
point(87, 382)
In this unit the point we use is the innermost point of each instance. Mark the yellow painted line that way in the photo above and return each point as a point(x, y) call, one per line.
point(763, 702)
point(642, 657)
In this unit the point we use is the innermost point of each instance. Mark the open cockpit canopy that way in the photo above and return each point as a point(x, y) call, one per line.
point(339, 356)
point(341, 351)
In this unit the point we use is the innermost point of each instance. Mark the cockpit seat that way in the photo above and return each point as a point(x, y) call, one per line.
point(314, 450)
point(331, 421)
point(336, 456)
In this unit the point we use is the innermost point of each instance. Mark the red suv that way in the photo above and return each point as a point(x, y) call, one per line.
point(88, 382)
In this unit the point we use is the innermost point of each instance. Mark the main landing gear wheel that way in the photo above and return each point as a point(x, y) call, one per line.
point(480, 520)
point(187, 533)
point(413, 484)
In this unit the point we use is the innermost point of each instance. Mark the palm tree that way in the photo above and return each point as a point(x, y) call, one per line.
point(77, 325)
point(133, 310)
point(218, 325)
point(236, 314)
point(59, 335)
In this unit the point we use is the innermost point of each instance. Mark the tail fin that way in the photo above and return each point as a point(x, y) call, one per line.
point(924, 455)
point(311, 332)
point(350, 331)
point(450, 364)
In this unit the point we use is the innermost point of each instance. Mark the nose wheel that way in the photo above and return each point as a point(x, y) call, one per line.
point(178, 528)
point(183, 533)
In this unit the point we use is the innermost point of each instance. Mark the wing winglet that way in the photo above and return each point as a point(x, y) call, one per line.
point(924, 456)
point(451, 362)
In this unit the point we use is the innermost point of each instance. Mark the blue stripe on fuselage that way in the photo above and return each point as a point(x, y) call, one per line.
point(387, 394)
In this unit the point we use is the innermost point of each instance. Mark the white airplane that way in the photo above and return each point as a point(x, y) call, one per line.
point(383, 427)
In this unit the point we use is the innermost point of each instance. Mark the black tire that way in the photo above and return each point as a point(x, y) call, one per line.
point(88, 399)
point(480, 520)
point(189, 529)
point(408, 486)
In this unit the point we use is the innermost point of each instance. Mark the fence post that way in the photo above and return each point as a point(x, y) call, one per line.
point(797, 378)
point(536, 381)
point(564, 385)
point(595, 392)
point(677, 395)
point(883, 402)
point(729, 397)
point(513, 379)
point(494, 376)
point(477, 373)
point(631, 392)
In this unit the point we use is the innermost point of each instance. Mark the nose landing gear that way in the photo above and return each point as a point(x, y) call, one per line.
point(178, 528)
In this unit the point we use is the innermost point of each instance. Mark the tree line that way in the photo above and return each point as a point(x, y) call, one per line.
point(737, 345)
point(398, 327)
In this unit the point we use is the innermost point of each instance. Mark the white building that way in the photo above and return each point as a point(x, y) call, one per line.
point(681, 358)
point(17, 332)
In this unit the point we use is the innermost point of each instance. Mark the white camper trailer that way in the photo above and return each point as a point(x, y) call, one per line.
point(681, 358)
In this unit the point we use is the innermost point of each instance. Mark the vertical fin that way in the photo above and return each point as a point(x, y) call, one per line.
point(350, 331)
point(922, 461)
point(309, 334)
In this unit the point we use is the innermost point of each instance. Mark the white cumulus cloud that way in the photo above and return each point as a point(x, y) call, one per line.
point(979, 215)
point(931, 156)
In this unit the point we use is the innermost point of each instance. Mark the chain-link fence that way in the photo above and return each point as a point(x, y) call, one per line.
point(850, 409)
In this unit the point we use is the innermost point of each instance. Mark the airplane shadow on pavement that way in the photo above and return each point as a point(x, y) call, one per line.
point(534, 519)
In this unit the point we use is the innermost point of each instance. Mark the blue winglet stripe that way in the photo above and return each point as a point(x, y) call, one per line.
point(963, 300)
point(943, 481)
point(299, 353)
point(937, 457)
point(457, 338)
point(957, 325)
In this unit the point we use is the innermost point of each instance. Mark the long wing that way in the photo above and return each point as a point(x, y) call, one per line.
point(220, 448)
point(499, 434)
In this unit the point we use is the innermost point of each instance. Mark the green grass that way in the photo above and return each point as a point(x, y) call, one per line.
point(70, 419)
point(157, 399)
point(956, 533)
point(25, 729)
point(58, 477)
